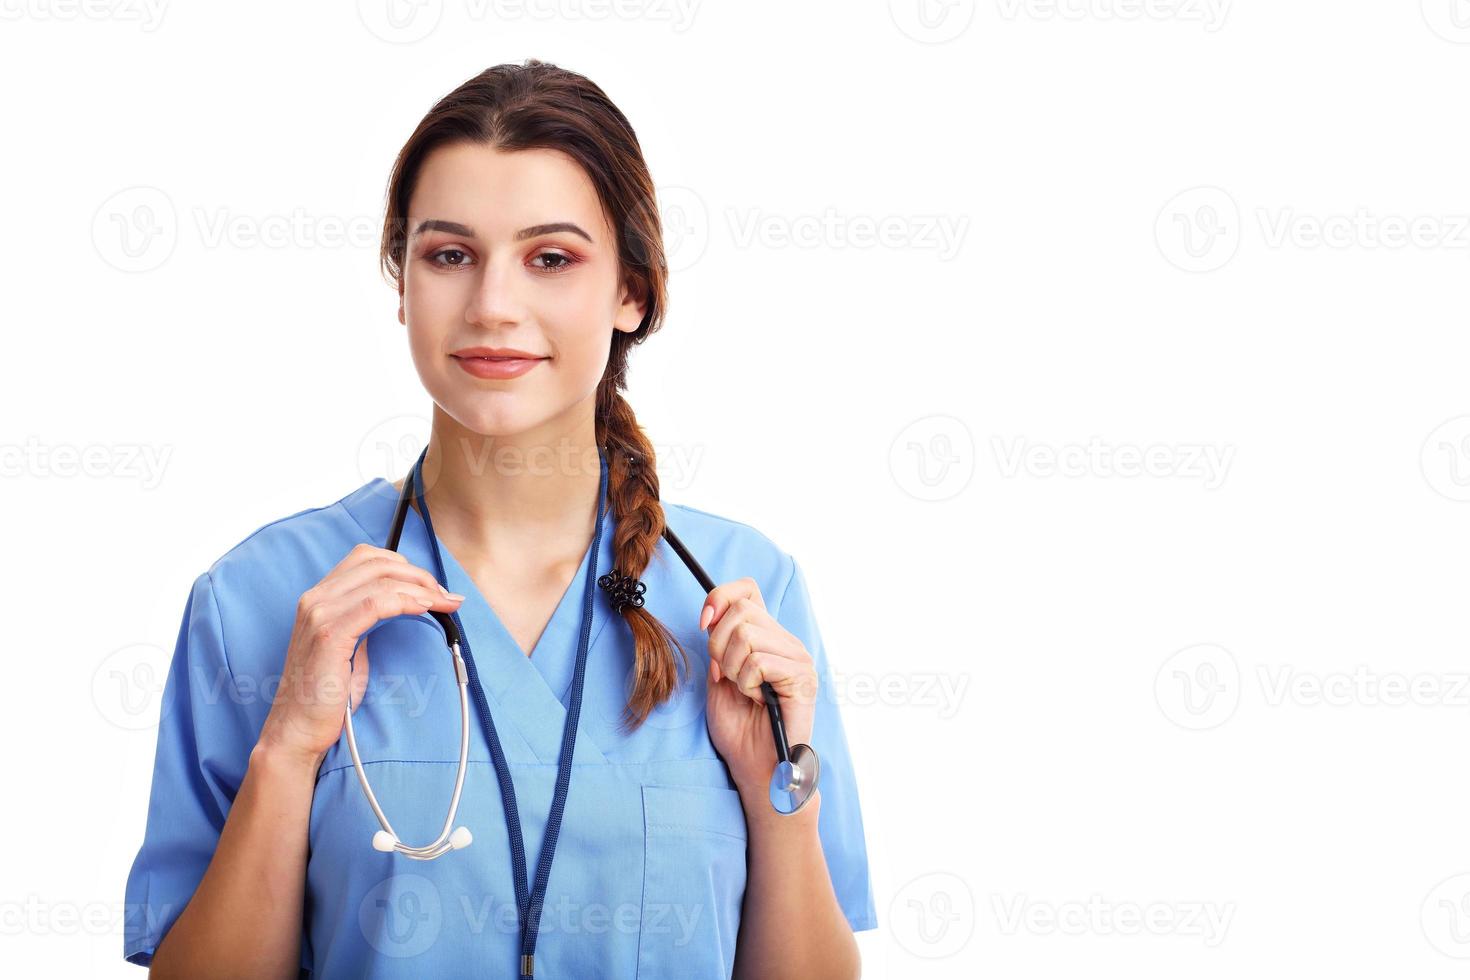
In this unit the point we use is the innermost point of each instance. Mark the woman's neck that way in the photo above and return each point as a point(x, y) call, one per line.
point(498, 499)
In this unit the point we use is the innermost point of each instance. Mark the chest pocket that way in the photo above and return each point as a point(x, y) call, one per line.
point(693, 881)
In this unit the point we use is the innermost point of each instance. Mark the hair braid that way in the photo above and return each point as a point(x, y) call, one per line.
point(633, 493)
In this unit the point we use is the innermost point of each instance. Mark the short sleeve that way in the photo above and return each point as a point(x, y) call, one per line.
point(204, 743)
point(840, 823)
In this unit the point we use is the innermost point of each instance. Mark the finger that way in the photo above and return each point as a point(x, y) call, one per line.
point(755, 670)
point(383, 563)
point(431, 596)
point(791, 679)
point(382, 567)
point(744, 609)
point(362, 552)
point(745, 612)
point(736, 640)
point(758, 635)
point(371, 568)
point(722, 597)
point(339, 622)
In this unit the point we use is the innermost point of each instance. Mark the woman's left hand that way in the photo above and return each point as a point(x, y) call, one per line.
point(747, 646)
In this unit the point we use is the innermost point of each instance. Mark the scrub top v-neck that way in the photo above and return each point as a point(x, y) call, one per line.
point(555, 652)
point(532, 692)
point(650, 867)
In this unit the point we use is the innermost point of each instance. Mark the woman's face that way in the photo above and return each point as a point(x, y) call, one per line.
point(511, 250)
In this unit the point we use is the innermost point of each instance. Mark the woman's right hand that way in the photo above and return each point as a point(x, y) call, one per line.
point(369, 585)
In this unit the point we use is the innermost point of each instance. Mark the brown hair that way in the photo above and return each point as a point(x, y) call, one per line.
point(538, 105)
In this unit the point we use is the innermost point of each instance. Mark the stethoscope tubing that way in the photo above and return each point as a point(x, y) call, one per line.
point(768, 693)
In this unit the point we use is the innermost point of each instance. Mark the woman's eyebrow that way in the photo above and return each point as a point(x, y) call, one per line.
point(455, 228)
point(536, 230)
point(437, 224)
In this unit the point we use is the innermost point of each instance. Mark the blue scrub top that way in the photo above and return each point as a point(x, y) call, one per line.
point(650, 867)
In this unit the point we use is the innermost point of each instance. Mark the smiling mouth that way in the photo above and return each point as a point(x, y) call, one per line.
point(496, 366)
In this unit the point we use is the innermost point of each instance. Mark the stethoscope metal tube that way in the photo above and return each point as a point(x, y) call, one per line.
point(448, 840)
point(460, 837)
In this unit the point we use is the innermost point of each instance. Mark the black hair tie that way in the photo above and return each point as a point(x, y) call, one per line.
point(622, 590)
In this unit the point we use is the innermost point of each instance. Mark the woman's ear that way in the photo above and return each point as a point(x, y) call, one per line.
point(631, 309)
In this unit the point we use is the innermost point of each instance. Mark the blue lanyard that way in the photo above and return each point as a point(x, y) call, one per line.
point(528, 901)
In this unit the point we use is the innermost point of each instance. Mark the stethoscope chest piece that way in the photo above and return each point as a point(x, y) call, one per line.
point(794, 781)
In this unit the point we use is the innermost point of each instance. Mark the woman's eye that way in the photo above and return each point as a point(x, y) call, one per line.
point(449, 251)
point(454, 258)
point(561, 261)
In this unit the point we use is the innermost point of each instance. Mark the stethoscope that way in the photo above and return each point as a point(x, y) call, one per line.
point(793, 781)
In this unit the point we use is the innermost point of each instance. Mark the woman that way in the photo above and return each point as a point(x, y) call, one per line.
point(523, 238)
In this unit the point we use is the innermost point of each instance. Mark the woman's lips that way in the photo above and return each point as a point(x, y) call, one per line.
point(497, 367)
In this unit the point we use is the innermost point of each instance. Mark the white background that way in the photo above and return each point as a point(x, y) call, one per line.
point(1205, 717)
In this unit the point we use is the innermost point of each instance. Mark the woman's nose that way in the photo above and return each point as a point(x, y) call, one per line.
point(496, 297)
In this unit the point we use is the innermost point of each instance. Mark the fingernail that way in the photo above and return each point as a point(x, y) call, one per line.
point(704, 616)
point(444, 590)
point(455, 596)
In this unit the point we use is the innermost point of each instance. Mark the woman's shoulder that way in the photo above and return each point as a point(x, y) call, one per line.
point(728, 549)
point(242, 608)
point(271, 566)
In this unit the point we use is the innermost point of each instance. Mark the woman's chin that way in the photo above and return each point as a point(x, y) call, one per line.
point(497, 423)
